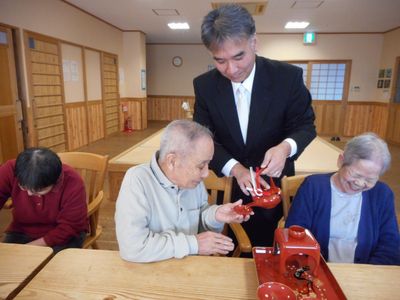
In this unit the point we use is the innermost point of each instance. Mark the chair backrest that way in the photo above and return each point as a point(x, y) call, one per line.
point(215, 184)
point(92, 168)
point(289, 187)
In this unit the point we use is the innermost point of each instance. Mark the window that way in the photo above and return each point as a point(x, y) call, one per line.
point(326, 80)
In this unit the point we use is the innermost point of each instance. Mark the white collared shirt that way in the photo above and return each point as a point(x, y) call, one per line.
point(247, 84)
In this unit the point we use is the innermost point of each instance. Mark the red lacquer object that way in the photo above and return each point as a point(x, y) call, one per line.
point(265, 198)
point(294, 266)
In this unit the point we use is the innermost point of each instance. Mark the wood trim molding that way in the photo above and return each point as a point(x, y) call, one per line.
point(169, 96)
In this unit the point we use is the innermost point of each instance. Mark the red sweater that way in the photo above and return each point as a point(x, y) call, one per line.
point(57, 216)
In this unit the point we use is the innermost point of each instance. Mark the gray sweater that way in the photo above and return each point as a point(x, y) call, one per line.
point(155, 220)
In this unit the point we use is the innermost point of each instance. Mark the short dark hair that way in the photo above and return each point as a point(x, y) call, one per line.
point(37, 168)
point(230, 21)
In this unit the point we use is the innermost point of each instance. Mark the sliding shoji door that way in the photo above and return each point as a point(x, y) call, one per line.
point(110, 93)
point(46, 92)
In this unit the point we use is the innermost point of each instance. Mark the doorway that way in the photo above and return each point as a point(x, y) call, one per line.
point(11, 132)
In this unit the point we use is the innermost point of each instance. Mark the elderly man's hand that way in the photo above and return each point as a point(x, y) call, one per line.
point(275, 158)
point(214, 243)
point(226, 214)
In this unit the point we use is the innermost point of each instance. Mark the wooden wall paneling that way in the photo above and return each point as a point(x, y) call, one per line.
point(77, 125)
point(93, 94)
point(95, 120)
point(110, 93)
point(365, 116)
point(137, 111)
point(46, 87)
point(167, 108)
point(85, 92)
point(327, 117)
point(379, 119)
point(393, 128)
point(393, 124)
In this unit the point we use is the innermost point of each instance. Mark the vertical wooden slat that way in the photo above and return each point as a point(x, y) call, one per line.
point(110, 93)
point(46, 87)
point(95, 120)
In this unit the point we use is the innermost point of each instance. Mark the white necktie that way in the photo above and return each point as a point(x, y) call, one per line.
point(243, 108)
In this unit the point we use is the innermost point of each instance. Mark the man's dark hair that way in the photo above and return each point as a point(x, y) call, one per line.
point(37, 168)
point(230, 21)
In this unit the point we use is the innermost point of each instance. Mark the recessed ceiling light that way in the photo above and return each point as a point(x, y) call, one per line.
point(296, 25)
point(179, 25)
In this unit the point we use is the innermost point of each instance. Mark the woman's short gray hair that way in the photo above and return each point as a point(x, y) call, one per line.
point(367, 146)
point(179, 136)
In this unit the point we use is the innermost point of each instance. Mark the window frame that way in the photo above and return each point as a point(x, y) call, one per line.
point(346, 83)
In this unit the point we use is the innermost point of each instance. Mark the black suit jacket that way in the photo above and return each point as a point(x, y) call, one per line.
point(280, 108)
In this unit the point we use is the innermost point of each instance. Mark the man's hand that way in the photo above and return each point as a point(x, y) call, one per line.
point(226, 214)
point(214, 243)
point(243, 179)
point(275, 158)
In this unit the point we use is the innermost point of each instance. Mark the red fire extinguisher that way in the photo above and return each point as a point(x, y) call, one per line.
point(127, 119)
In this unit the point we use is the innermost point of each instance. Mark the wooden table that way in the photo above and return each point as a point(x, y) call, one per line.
point(18, 264)
point(137, 154)
point(319, 157)
point(367, 281)
point(102, 274)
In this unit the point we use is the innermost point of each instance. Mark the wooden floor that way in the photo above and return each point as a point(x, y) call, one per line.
point(122, 141)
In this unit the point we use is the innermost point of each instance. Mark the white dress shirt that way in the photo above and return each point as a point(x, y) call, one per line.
point(246, 88)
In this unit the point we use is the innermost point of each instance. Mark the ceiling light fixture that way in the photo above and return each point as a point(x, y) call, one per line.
point(296, 25)
point(179, 25)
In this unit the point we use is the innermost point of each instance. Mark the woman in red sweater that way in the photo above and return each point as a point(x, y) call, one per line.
point(49, 201)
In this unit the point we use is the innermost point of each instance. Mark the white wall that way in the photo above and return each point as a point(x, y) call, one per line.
point(364, 50)
point(164, 78)
point(62, 21)
point(132, 62)
point(390, 51)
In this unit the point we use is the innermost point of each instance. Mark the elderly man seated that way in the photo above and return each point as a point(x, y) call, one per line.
point(350, 212)
point(162, 210)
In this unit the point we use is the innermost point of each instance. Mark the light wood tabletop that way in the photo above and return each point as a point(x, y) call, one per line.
point(18, 264)
point(319, 157)
point(368, 281)
point(102, 274)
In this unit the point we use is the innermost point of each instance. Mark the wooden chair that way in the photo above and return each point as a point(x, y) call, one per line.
point(92, 168)
point(213, 185)
point(289, 187)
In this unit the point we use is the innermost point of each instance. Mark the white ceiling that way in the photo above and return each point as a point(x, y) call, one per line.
point(331, 16)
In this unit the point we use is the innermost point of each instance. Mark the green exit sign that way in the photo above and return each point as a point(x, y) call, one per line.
point(309, 38)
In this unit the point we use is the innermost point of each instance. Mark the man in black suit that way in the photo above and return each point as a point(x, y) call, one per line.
point(258, 109)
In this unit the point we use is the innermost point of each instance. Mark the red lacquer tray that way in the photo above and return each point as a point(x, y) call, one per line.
point(324, 285)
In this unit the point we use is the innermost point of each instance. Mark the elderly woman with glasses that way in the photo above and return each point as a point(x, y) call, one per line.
point(350, 212)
